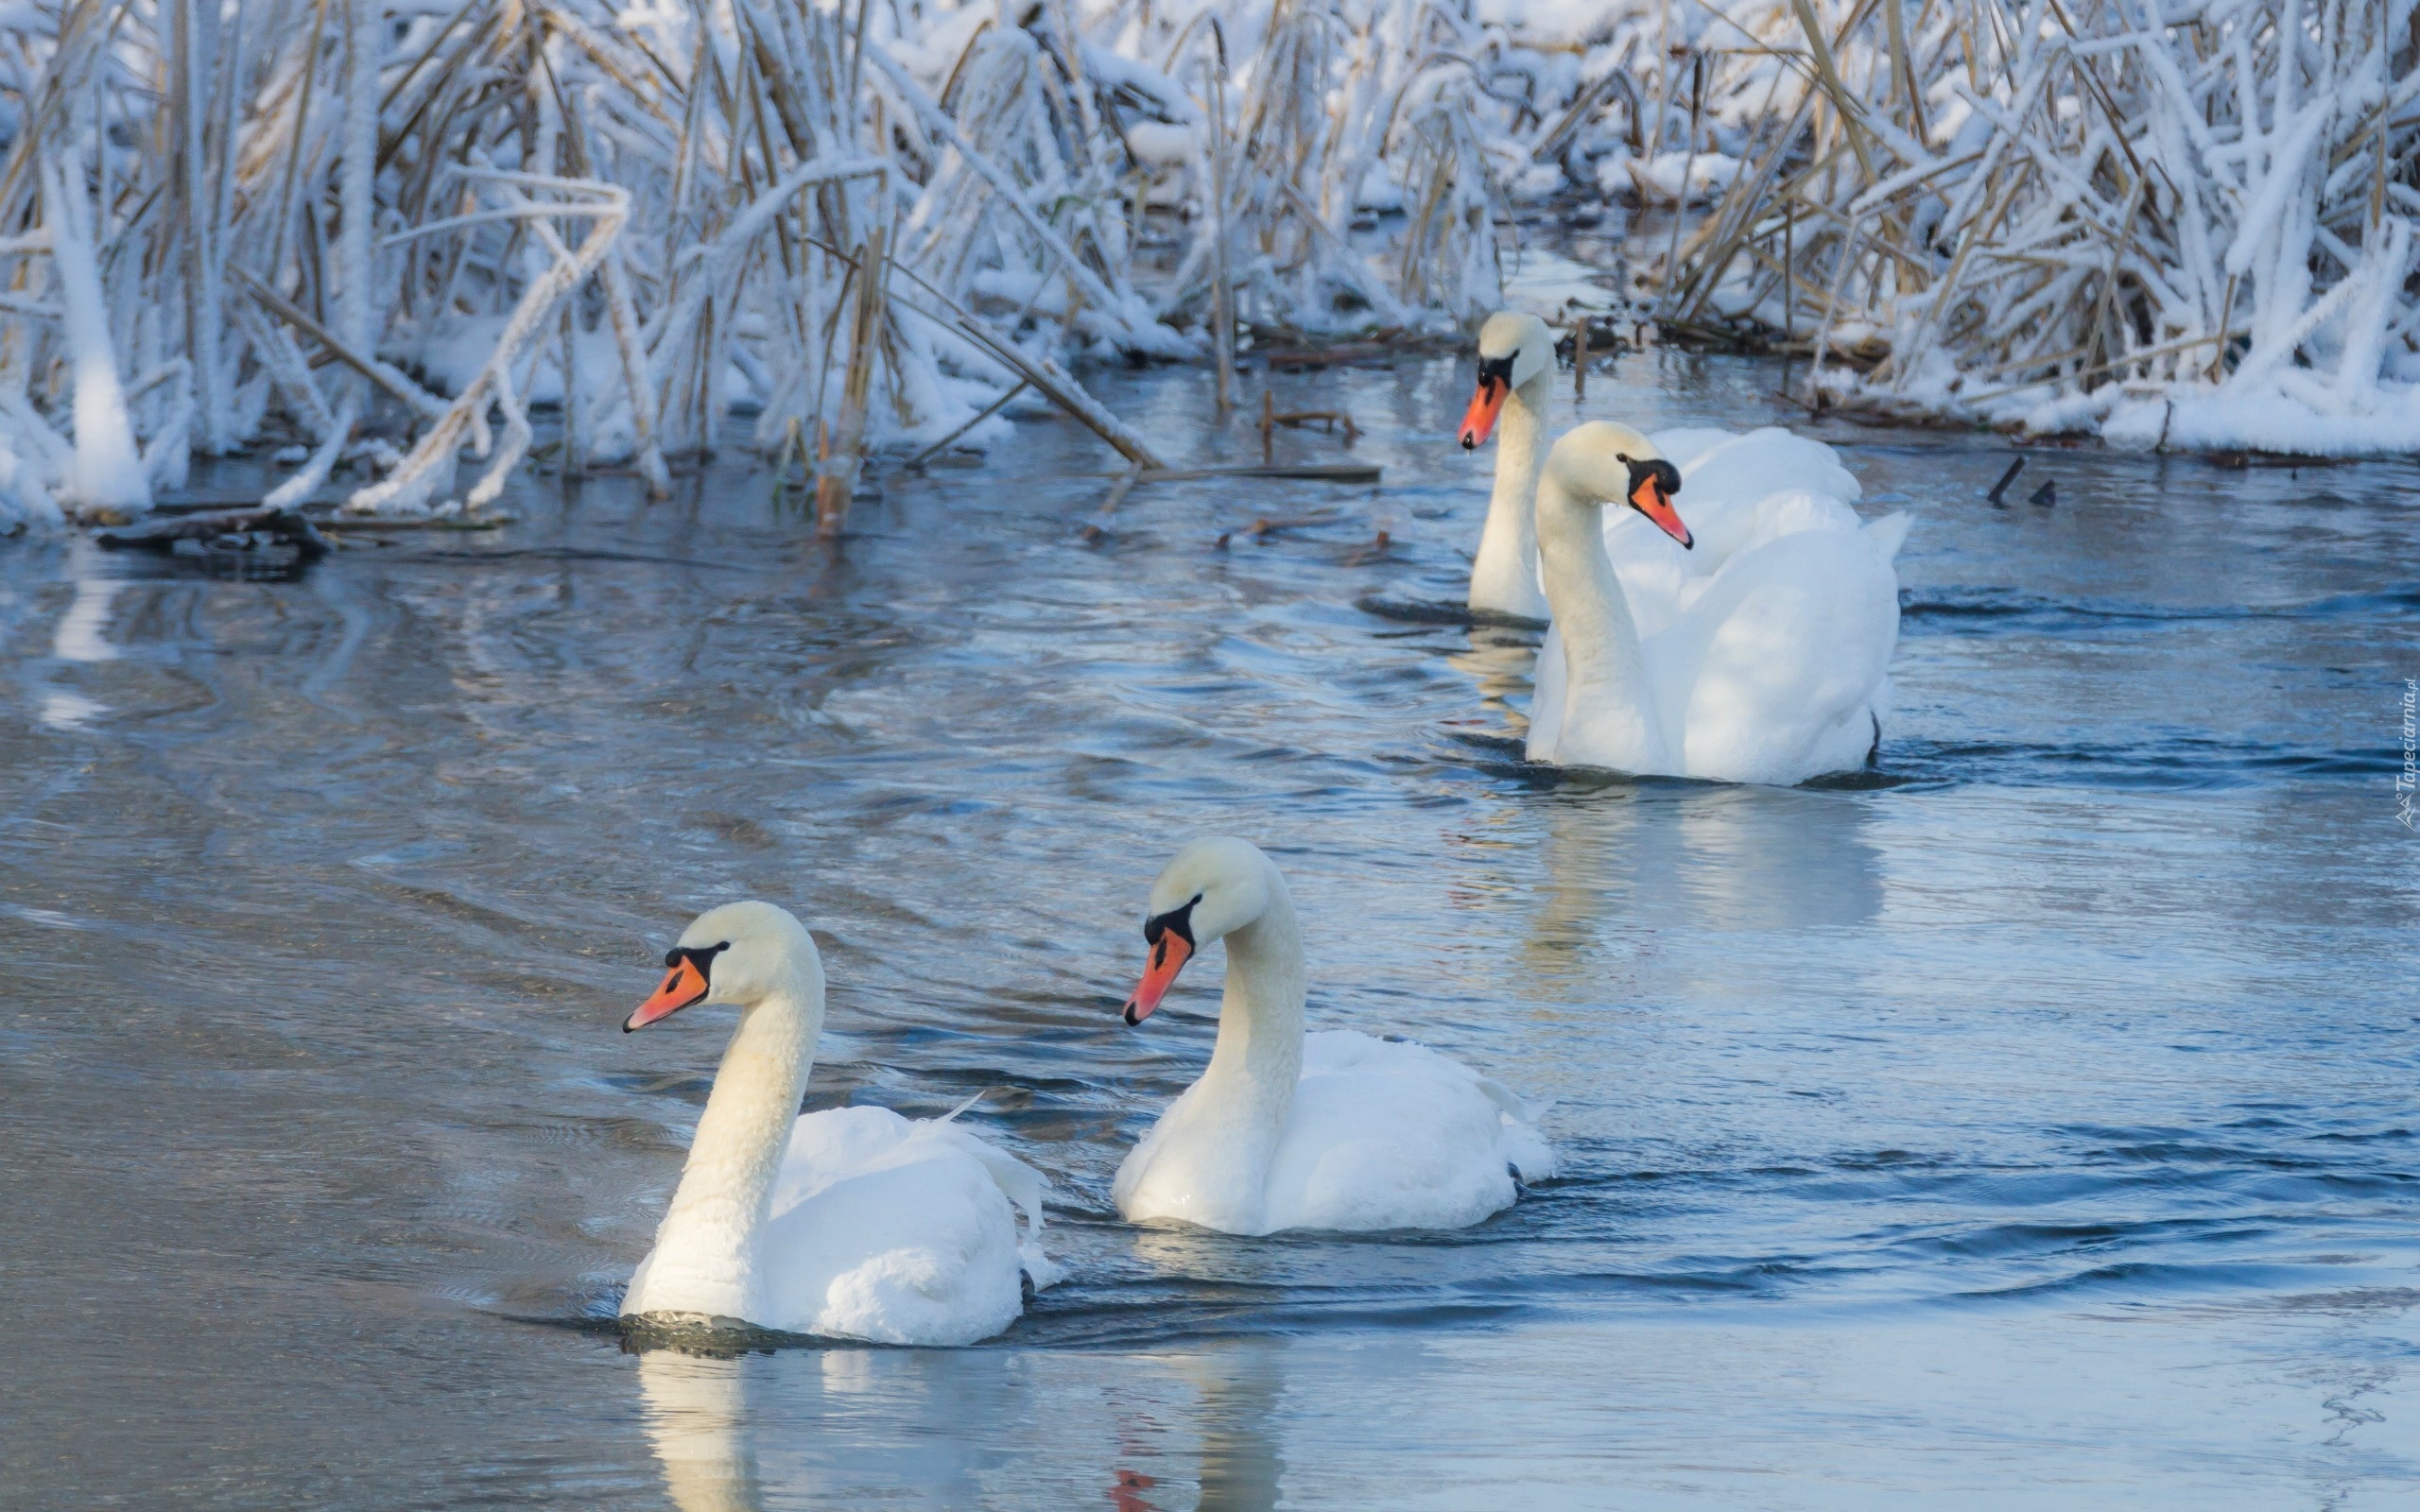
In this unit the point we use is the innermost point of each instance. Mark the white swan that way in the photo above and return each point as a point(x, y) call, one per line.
point(1284, 1130)
point(1772, 667)
point(1516, 389)
point(851, 1223)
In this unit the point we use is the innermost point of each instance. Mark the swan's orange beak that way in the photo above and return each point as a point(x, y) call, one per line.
point(682, 984)
point(1478, 422)
point(1169, 955)
point(1652, 486)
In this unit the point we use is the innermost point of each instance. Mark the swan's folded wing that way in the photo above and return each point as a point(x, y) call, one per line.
point(1766, 460)
point(831, 1146)
point(1684, 445)
point(1389, 1134)
point(1791, 643)
point(1020, 1183)
point(919, 1249)
point(892, 1230)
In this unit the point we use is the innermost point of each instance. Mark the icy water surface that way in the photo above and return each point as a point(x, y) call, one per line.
point(2029, 1125)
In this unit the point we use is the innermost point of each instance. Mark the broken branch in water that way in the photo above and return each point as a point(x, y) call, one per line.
point(286, 525)
point(1097, 528)
point(1298, 419)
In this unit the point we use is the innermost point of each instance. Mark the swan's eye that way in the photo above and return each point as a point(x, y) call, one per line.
point(703, 958)
point(1622, 457)
point(1177, 920)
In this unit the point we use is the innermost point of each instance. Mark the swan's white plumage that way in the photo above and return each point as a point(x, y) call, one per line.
point(1766, 648)
point(1334, 1130)
point(897, 1231)
point(851, 1223)
point(1382, 1134)
point(1392, 1135)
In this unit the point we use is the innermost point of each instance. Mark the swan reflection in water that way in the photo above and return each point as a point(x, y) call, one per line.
point(697, 1421)
point(1239, 1389)
point(742, 1431)
point(963, 1429)
point(1499, 660)
point(1624, 860)
point(1236, 1391)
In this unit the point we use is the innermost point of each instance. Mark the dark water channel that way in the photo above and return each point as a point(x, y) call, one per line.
point(2032, 1124)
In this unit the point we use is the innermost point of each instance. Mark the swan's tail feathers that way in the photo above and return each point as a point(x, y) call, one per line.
point(1889, 534)
point(1021, 1183)
point(1531, 1159)
point(1024, 1186)
point(1040, 1271)
point(1517, 1107)
point(1878, 702)
point(963, 1106)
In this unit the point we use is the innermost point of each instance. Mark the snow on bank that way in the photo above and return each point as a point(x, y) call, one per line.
point(2184, 421)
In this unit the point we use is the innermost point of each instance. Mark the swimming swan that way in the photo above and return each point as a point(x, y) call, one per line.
point(1515, 390)
point(1774, 667)
point(1826, 615)
point(1287, 1130)
point(851, 1223)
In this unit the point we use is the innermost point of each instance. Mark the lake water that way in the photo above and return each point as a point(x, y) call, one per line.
point(2031, 1123)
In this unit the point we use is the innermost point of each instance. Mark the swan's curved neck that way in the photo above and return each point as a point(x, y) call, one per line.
point(1605, 676)
point(1504, 575)
point(705, 1252)
point(1258, 1058)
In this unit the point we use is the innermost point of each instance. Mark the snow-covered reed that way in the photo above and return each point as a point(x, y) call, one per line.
point(376, 232)
point(2186, 224)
